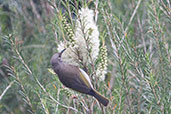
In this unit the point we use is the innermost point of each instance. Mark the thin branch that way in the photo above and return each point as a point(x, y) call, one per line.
point(22, 60)
point(133, 15)
point(45, 110)
point(23, 89)
point(17, 77)
point(6, 89)
point(96, 10)
point(111, 35)
point(53, 99)
point(130, 21)
point(57, 106)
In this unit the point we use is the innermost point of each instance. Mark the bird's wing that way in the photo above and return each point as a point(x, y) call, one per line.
point(77, 85)
point(75, 79)
point(84, 76)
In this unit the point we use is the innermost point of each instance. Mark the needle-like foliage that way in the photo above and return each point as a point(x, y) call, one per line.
point(123, 45)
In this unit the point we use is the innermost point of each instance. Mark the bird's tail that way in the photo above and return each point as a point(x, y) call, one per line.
point(100, 98)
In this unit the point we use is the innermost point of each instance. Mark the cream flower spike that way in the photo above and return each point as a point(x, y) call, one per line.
point(86, 29)
point(86, 37)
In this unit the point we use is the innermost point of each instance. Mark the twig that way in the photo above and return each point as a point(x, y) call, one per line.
point(22, 60)
point(133, 14)
point(23, 89)
point(6, 89)
point(53, 99)
point(84, 105)
point(96, 10)
point(53, 4)
point(17, 78)
point(111, 35)
point(102, 108)
point(46, 111)
point(130, 21)
point(59, 90)
point(116, 53)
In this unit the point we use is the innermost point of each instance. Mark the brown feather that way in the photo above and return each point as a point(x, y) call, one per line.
point(72, 73)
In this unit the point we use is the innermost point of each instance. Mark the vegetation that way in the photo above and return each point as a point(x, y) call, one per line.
point(134, 56)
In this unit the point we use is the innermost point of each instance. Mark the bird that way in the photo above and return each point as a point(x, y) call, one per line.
point(75, 78)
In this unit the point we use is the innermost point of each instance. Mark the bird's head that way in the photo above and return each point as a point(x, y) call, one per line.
point(56, 58)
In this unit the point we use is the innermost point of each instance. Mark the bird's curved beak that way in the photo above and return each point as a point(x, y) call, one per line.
point(61, 52)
